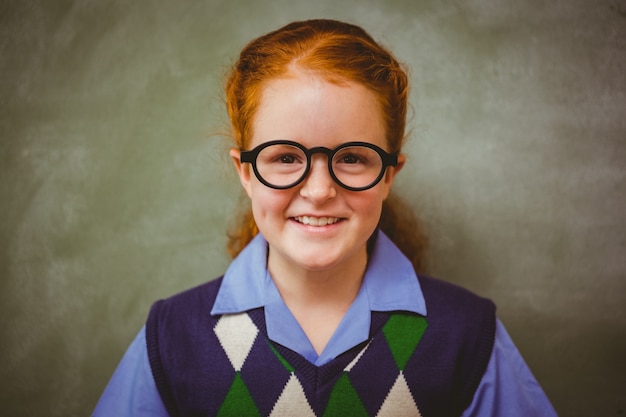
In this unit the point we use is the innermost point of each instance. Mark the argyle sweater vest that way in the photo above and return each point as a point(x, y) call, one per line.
point(411, 365)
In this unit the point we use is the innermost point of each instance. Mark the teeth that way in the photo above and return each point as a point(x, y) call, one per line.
point(316, 221)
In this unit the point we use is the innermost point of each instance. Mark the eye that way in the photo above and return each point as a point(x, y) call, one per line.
point(281, 155)
point(286, 159)
point(350, 159)
point(352, 156)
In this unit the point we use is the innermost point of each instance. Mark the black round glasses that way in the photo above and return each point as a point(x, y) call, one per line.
point(282, 164)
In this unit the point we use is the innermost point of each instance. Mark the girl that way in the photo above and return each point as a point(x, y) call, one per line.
point(322, 312)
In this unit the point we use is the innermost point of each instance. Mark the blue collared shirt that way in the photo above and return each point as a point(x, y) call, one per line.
point(390, 284)
point(246, 286)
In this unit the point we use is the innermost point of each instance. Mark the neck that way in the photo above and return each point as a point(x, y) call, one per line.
point(336, 284)
point(319, 299)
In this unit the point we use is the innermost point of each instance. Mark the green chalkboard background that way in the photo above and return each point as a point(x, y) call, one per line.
point(115, 189)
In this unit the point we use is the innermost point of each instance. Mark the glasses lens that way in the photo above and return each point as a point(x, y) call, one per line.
point(357, 166)
point(281, 165)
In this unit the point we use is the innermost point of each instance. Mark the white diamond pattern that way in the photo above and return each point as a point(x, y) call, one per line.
point(236, 333)
point(292, 401)
point(399, 401)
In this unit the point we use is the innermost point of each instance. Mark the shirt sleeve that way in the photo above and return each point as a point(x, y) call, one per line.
point(508, 387)
point(132, 392)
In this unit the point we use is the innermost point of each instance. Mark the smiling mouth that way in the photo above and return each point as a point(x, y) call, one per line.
point(316, 221)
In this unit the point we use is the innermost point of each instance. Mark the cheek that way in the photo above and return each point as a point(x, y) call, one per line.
point(268, 203)
point(369, 203)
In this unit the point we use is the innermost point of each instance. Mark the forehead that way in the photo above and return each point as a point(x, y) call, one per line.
point(309, 109)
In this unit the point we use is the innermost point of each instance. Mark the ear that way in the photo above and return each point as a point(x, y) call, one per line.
point(243, 170)
point(391, 173)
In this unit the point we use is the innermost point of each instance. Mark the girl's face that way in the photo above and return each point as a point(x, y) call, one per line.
point(307, 109)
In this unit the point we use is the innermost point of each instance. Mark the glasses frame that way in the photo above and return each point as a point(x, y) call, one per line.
point(387, 159)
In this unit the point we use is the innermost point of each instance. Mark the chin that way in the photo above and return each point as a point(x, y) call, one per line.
point(322, 260)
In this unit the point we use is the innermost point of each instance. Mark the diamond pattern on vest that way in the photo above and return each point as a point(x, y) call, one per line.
point(344, 400)
point(399, 402)
point(238, 401)
point(236, 333)
point(403, 333)
point(349, 396)
point(292, 401)
point(265, 375)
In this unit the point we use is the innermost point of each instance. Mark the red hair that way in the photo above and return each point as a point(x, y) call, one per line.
point(338, 52)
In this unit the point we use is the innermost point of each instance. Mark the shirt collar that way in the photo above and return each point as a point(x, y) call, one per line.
point(390, 282)
point(244, 283)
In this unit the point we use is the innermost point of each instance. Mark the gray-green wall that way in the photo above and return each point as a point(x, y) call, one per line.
point(115, 189)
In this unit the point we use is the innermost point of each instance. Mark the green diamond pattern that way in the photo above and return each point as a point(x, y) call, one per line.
point(403, 333)
point(238, 401)
point(344, 400)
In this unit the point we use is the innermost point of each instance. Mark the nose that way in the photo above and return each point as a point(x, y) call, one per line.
point(319, 186)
